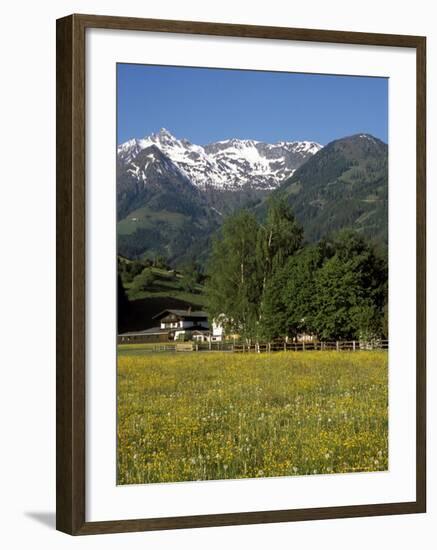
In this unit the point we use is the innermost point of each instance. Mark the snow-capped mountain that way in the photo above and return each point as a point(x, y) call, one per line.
point(228, 165)
point(173, 195)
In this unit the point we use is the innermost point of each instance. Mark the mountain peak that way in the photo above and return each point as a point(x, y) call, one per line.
point(358, 146)
point(361, 137)
point(163, 136)
point(163, 132)
point(229, 164)
point(344, 184)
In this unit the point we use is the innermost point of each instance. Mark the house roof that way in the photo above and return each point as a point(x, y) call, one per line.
point(154, 330)
point(181, 313)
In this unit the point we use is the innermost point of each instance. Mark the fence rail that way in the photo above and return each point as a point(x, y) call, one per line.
point(352, 345)
point(267, 347)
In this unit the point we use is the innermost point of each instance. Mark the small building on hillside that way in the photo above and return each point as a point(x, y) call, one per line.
point(218, 331)
point(182, 318)
point(178, 324)
point(200, 336)
point(181, 323)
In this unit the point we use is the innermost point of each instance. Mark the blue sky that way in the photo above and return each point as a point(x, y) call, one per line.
point(205, 105)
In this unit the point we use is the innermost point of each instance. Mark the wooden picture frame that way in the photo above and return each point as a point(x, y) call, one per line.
point(71, 284)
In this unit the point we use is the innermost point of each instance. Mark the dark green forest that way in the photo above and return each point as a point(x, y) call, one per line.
point(269, 284)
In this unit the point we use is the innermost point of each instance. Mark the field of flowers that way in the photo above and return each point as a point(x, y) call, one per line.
point(199, 416)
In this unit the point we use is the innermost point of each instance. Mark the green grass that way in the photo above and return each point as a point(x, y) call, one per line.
point(144, 218)
point(200, 416)
point(127, 348)
point(166, 285)
point(140, 349)
point(194, 299)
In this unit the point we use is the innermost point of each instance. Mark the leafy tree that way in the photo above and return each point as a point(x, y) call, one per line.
point(245, 265)
point(385, 322)
point(299, 289)
point(279, 238)
point(190, 277)
point(369, 264)
point(122, 304)
point(273, 322)
point(143, 281)
point(368, 321)
point(350, 291)
point(336, 293)
point(234, 281)
point(128, 270)
point(160, 262)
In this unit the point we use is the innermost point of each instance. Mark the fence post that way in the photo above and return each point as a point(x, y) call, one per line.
point(303, 346)
point(285, 346)
point(337, 344)
point(353, 345)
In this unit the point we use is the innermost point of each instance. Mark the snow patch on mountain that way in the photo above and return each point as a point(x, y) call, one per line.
point(228, 164)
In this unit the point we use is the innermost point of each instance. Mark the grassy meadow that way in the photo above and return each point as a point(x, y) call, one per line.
point(166, 284)
point(201, 416)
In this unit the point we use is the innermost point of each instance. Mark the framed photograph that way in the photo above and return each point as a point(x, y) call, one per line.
point(240, 274)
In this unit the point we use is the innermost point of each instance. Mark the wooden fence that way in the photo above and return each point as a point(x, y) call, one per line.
point(266, 347)
point(263, 347)
point(352, 345)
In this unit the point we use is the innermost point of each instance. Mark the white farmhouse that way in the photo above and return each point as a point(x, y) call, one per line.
point(217, 330)
point(180, 321)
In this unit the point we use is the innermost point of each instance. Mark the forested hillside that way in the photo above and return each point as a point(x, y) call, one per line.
point(345, 185)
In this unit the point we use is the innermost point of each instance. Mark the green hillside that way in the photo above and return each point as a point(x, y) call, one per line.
point(148, 289)
point(345, 185)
